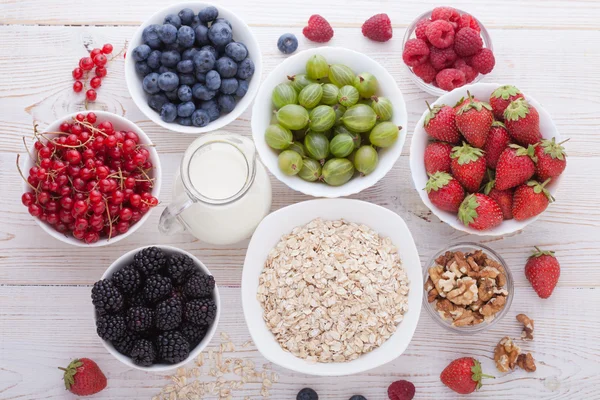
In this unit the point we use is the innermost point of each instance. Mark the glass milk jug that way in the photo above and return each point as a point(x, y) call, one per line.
point(222, 191)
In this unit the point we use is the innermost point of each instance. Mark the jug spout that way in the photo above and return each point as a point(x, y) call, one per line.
point(169, 223)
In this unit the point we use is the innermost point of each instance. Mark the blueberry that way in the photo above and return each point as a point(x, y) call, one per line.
point(186, 109)
point(195, 22)
point(223, 21)
point(168, 81)
point(358, 397)
point(242, 88)
point(185, 66)
point(167, 33)
point(204, 61)
point(172, 96)
point(186, 16)
point(187, 79)
point(153, 59)
point(229, 85)
point(162, 69)
point(187, 121)
point(226, 103)
point(150, 83)
point(245, 69)
point(211, 49)
point(184, 93)
point(142, 68)
point(307, 394)
point(173, 19)
point(236, 51)
point(226, 67)
point(141, 52)
point(213, 80)
point(170, 58)
point(156, 101)
point(201, 32)
point(287, 43)
point(150, 36)
point(188, 54)
point(201, 92)
point(208, 14)
point(212, 108)
point(186, 36)
point(173, 46)
point(220, 34)
point(168, 112)
point(200, 118)
point(201, 77)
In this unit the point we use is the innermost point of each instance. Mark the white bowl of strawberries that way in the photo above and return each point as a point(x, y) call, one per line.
point(486, 159)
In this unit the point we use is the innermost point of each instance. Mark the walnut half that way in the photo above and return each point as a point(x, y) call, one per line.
point(526, 362)
point(527, 322)
point(506, 354)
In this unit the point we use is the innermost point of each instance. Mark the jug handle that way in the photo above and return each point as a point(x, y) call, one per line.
point(169, 224)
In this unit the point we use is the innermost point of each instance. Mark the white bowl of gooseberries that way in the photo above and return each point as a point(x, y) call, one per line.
point(319, 183)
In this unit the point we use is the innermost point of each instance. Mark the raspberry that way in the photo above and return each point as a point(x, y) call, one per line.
point(378, 28)
point(442, 58)
point(450, 78)
point(318, 29)
point(401, 390)
point(425, 71)
point(470, 73)
point(415, 52)
point(467, 21)
point(420, 29)
point(440, 34)
point(467, 42)
point(483, 62)
point(446, 14)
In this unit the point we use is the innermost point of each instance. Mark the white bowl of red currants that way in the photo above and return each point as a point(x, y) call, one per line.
point(487, 159)
point(95, 183)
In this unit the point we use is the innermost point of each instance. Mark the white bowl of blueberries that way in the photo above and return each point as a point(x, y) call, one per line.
point(193, 67)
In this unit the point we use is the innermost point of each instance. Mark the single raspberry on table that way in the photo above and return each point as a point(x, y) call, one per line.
point(415, 52)
point(470, 73)
point(425, 71)
point(446, 14)
point(440, 34)
point(483, 62)
point(318, 29)
point(420, 29)
point(378, 28)
point(450, 78)
point(401, 390)
point(442, 58)
point(467, 21)
point(467, 42)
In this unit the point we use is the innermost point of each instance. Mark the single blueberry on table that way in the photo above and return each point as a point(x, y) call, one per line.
point(150, 83)
point(212, 109)
point(200, 118)
point(153, 59)
point(204, 61)
point(187, 79)
point(226, 67)
point(223, 21)
point(150, 36)
point(242, 88)
point(229, 85)
point(307, 394)
point(358, 397)
point(186, 16)
point(185, 66)
point(220, 34)
point(226, 103)
point(213, 80)
point(156, 101)
point(236, 51)
point(184, 93)
point(246, 69)
point(142, 68)
point(185, 121)
point(162, 69)
point(167, 34)
point(186, 36)
point(168, 81)
point(168, 112)
point(201, 32)
point(173, 19)
point(195, 22)
point(188, 54)
point(186, 109)
point(172, 96)
point(208, 14)
point(211, 49)
point(201, 92)
point(170, 58)
point(141, 52)
point(287, 43)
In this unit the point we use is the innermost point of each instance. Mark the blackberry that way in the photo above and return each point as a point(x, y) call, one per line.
point(193, 333)
point(139, 319)
point(199, 286)
point(172, 347)
point(169, 314)
point(125, 343)
point(307, 394)
point(127, 280)
point(137, 299)
point(157, 287)
point(179, 267)
point(143, 353)
point(110, 327)
point(106, 297)
point(151, 259)
point(201, 311)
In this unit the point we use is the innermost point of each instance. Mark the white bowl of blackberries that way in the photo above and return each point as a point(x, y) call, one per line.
point(156, 308)
point(190, 67)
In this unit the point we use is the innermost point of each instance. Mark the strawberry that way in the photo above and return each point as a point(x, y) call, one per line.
point(445, 192)
point(474, 120)
point(318, 29)
point(463, 375)
point(523, 122)
point(531, 199)
point(502, 97)
point(437, 157)
point(400, 390)
point(497, 141)
point(440, 124)
point(480, 212)
point(542, 271)
point(515, 166)
point(468, 166)
point(378, 28)
point(504, 198)
point(551, 160)
point(83, 377)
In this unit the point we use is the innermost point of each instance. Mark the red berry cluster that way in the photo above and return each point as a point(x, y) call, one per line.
point(97, 59)
point(89, 179)
point(448, 50)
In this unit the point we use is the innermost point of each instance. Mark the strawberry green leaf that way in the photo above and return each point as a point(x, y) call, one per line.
point(498, 123)
point(437, 181)
point(432, 113)
point(505, 92)
point(516, 110)
point(539, 253)
point(467, 213)
point(466, 154)
point(555, 150)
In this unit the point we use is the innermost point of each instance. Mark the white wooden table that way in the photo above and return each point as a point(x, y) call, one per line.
point(547, 48)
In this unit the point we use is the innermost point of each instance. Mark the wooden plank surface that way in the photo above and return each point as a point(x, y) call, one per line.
point(547, 48)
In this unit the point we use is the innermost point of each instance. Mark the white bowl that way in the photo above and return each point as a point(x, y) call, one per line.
point(420, 140)
point(119, 123)
point(262, 112)
point(241, 33)
point(127, 259)
point(281, 222)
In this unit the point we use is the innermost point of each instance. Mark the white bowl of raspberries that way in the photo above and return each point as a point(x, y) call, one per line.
point(156, 308)
point(487, 159)
point(447, 48)
point(90, 179)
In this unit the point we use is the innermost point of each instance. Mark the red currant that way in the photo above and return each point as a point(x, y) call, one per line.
point(101, 72)
point(95, 196)
point(122, 227)
point(91, 95)
point(139, 158)
point(100, 60)
point(52, 218)
point(135, 216)
point(91, 117)
point(133, 136)
point(76, 129)
point(81, 224)
point(110, 141)
point(106, 126)
point(80, 117)
point(44, 152)
point(35, 210)
point(27, 199)
point(102, 172)
point(86, 63)
point(135, 200)
point(79, 234)
point(95, 52)
point(91, 237)
point(65, 190)
point(95, 82)
point(107, 48)
point(117, 197)
point(45, 163)
point(104, 185)
point(77, 73)
point(52, 206)
point(77, 86)
point(43, 197)
point(98, 208)
point(72, 156)
point(78, 184)
point(125, 214)
point(65, 127)
point(89, 155)
point(80, 207)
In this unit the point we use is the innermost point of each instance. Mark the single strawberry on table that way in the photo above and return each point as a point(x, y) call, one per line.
point(551, 159)
point(437, 157)
point(83, 377)
point(318, 29)
point(496, 142)
point(502, 97)
point(480, 212)
point(468, 166)
point(531, 199)
point(542, 271)
point(440, 123)
point(516, 165)
point(474, 120)
point(378, 28)
point(522, 122)
point(445, 192)
point(463, 375)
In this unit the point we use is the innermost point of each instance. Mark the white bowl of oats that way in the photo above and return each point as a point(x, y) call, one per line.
point(332, 287)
